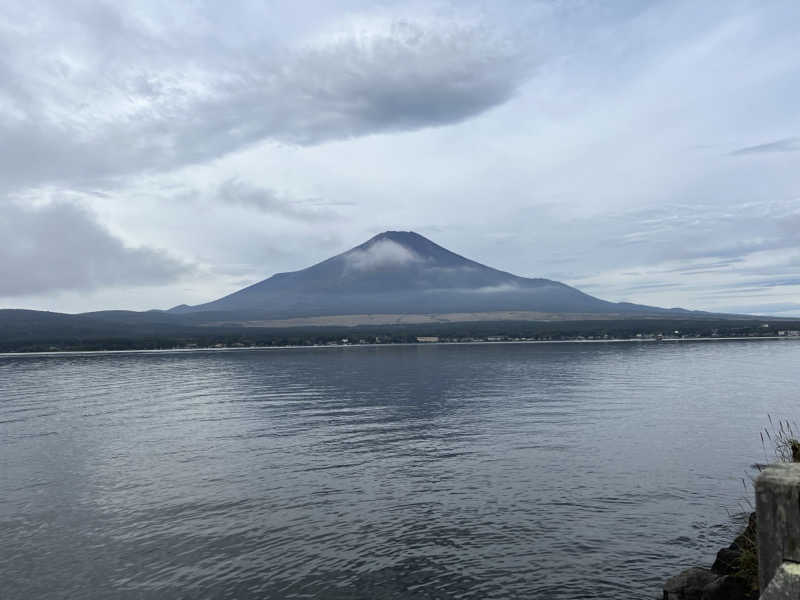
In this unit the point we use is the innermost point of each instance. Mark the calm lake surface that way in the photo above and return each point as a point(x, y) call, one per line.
point(471, 472)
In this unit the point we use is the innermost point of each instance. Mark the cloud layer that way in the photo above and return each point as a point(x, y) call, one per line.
point(118, 95)
point(236, 192)
point(784, 145)
point(642, 151)
point(60, 247)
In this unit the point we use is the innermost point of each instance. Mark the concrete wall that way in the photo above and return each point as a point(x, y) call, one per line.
point(778, 509)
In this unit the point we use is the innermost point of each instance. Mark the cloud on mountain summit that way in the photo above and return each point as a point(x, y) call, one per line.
point(380, 254)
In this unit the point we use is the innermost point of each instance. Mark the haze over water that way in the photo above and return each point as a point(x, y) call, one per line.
point(474, 471)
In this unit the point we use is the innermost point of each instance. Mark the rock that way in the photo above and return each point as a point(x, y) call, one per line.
point(733, 576)
point(738, 558)
point(727, 587)
point(747, 539)
point(727, 562)
point(689, 584)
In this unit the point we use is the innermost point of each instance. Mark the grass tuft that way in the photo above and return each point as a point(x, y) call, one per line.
point(783, 438)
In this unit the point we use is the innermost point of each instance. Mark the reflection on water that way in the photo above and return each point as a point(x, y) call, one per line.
point(485, 471)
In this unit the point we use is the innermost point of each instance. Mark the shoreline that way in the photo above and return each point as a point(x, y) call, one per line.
point(388, 345)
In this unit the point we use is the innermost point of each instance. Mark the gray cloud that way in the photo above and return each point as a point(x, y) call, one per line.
point(685, 232)
point(706, 267)
point(763, 283)
point(785, 309)
point(785, 145)
point(581, 174)
point(60, 246)
point(236, 192)
point(117, 96)
point(669, 239)
point(648, 286)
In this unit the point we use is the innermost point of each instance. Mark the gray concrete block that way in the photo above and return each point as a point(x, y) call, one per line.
point(785, 585)
point(778, 508)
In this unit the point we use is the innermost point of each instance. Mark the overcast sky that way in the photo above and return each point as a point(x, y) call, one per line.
point(159, 153)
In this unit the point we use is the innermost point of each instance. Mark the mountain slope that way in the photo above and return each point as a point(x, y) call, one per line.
point(399, 272)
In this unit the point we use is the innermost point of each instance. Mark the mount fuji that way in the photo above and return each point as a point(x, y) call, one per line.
point(401, 273)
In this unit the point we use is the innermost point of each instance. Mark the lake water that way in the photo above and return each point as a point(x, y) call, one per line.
point(472, 471)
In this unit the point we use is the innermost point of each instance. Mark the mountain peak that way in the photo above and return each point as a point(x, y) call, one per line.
point(409, 239)
point(399, 272)
point(397, 235)
point(404, 248)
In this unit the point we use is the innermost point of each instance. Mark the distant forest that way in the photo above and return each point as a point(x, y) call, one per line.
point(93, 335)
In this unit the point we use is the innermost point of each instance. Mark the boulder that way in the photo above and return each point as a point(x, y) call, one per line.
point(747, 539)
point(727, 562)
point(689, 584)
point(733, 576)
point(727, 587)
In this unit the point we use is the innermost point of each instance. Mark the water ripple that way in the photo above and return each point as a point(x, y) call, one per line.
point(501, 471)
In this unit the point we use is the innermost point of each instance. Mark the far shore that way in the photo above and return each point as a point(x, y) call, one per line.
point(389, 345)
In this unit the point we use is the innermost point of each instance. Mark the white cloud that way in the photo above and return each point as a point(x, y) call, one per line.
point(381, 254)
point(496, 289)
